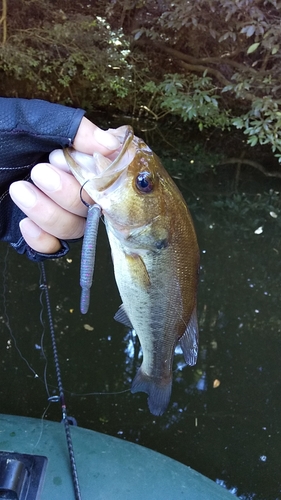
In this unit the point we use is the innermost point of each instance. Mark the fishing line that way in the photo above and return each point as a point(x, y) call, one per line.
point(14, 340)
point(74, 394)
point(43, 335)
point(81, 198)
point(6, 317)
point(88, 204)
point(61, 398)
point(42, 424)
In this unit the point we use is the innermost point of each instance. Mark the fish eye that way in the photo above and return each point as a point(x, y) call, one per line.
point(144, 182)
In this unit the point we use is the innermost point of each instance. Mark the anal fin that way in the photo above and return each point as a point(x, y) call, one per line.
point(189, 340)
point(122, 317)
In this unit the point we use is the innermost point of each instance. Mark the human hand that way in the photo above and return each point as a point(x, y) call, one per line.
point(52, 204)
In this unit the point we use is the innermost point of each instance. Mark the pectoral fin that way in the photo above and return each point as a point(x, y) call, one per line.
point(189, 340)
point(137, 270)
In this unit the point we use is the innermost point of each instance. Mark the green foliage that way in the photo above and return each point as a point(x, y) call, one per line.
point(262, 124)
point(78, 60)
point(234, 44)
point(214, 62)
point(191, 98)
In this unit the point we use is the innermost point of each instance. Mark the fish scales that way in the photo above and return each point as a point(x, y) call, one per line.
point(155, 257)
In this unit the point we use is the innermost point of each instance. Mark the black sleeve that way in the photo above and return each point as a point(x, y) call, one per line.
point(29, 131)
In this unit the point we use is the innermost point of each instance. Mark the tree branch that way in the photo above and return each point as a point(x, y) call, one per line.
point(210, 60)
point(251, 163)
point(199, 68)
point(3, 20)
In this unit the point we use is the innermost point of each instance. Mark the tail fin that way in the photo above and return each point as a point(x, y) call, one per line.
point(158, 393)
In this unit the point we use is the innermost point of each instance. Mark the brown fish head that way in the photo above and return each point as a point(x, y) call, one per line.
point(135, 192)
point(144, 201)
point(104, 174)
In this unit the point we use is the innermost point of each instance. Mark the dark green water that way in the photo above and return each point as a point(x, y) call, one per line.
point(224, 419)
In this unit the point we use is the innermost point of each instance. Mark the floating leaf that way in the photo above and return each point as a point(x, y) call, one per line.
point(253, 47)
point(216, 383)
point(214, 344)
point(89, 328)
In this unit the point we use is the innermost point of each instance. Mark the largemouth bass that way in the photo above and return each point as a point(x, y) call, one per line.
point(155, 256)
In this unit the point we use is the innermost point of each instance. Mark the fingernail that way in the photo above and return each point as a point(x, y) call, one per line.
point(57, 159)
point(45, 177)
point(22, 194)
point(29, 229)
point(106, 139)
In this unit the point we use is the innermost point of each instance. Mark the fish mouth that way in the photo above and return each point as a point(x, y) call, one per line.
point(98, 172)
